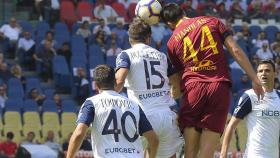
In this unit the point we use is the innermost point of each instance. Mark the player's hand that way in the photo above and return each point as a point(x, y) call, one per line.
point(257, 86)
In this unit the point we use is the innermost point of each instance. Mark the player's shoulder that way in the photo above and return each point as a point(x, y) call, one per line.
point(250, 92)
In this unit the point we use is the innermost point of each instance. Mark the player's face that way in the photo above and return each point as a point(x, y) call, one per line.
point(266, 74)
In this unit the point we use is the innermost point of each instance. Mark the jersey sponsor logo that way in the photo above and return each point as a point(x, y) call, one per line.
point(153, 95)
point(121, 150)
point(270, 113)
point(120, 103)
point(204, 65)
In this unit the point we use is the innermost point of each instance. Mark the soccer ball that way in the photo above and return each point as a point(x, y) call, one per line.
point(149, 11)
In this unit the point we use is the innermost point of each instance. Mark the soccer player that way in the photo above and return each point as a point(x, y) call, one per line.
point(262, 117)
point(143, 69)
point(196, 51)
point(116, 122)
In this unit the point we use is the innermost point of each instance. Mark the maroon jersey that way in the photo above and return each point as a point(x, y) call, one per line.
point(196, 49)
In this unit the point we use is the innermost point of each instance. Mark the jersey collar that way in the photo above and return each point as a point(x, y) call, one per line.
point(180, 21)
point(139, 45)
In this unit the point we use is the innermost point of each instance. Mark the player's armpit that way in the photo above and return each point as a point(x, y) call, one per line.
point(174, 81)
point(120, 78)
point(153, 142)
point(76, 139)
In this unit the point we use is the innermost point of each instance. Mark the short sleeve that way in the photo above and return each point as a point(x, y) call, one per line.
point(86, 114)
point(144, 124)
point(223, 30)
point(244, 107)
point(122, 61)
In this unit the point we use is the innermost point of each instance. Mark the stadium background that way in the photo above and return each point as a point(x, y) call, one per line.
point(62, 85)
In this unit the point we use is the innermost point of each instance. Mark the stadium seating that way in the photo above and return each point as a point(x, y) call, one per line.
point(26, 26)
point(68, 125)
point(67, 12)
point(255, 30)
point(69, 106)
point(131, 11)
point(271, 32)
point(50, 122)
point(120, 9)
point(84, 9)
point(30, 105)
point(62, 76)
point(49, 106)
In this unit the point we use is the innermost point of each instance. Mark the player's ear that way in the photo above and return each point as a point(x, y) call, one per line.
point(171, 25)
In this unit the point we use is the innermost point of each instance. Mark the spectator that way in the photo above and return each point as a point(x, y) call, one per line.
point(17, 73)
point(4, 43)
point(246, 33)
point(237, 11)
point(44, 59)
point(260, 40)
point(277, 38)
point(271, 12)
point(102, 27)
point(50, 142)
point(58, 101)
point(187, 7)
point(82, 85)
point(264, 53)
point(255, 61)
point(5, 73)
point(158, 32)
point(26, 49)
point(84, 31)
point(275, 50)
point(101, 41)
point(223, 13)
point(114, 50)
point(30, 139)
point(36, 96)
point(126, 3)
point(3, 96)
point(65, 51)
point(12, 32)
point(66, 142)
point(255, 10)
point(86, 144)
point(120, 31)
point(106, 12)
point(49, 37)
point(9, 148)
point(243, 84)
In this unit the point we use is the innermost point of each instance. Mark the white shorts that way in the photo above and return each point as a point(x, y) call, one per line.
point(164, 124)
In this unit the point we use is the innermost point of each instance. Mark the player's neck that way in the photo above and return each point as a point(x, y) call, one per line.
point(268, 89)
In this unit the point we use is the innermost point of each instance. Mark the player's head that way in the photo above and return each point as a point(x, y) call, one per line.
point(104, 77)
point(171, 14)
point(139, 31)
point(266, 73)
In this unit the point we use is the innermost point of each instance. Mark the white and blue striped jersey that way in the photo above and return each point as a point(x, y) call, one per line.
point(116, 123)
point(263, 123)
point(147, 81)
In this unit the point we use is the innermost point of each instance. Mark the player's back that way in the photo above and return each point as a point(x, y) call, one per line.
point(115, 130)
point(196, 48)
point(147, 81)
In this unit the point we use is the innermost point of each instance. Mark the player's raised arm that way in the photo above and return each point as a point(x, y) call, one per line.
point(76, 140)
point(244, 62)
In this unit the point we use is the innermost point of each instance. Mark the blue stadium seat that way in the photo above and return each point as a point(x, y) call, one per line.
point(32, 83)
point(62, 76)
point(69, 106)
point(13, 104)
point(42, 28)
point(96, 56)
point(15, 88)
point(60, 27)
point(78, 45)
point(30, 105)
point(271, 32)
point(75, 28)
point(49, 106)
point(26, 26)
point(255, 30)
point(111, 60)
point(60, 39)
point(49, 93)
point(237, 28)
point(78, 61)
